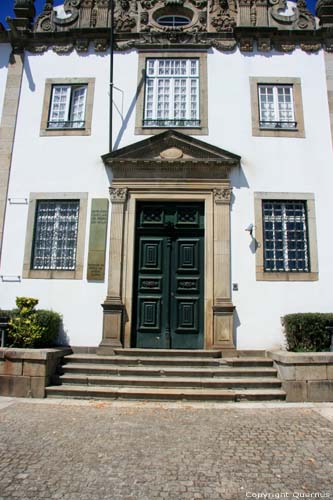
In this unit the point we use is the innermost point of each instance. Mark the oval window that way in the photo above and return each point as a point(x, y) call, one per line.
point(173, 21)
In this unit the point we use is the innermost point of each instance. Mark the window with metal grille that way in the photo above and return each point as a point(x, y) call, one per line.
point(68, 105)
point(276, 107)
point(55, 234)
point(172, 93)
point(285, 236)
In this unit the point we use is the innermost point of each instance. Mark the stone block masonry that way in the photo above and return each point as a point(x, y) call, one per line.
point(26, 372)
point(305, 376)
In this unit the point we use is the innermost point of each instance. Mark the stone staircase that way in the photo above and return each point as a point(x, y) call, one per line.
point(167, 375)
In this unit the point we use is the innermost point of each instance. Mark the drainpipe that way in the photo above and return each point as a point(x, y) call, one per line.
point(111, 74)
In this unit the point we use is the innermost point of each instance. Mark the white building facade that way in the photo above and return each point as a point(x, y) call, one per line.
point(209, 219)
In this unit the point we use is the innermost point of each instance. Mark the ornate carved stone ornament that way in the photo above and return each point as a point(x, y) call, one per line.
point(222, 195)
point(301, 19)
point(221, 24)
point(118, 195)
point(223, 15)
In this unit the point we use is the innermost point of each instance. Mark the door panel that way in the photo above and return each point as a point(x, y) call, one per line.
point(169, 286)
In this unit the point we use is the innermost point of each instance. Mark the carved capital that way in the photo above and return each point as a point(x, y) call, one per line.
point(100, 45)
point(224, 45)
point(222, 195)
point(310, 46)
point(82, 45)
point(118, 195)
point(38, 49)
point(246, 44)
point(63, 49)
point(329, 45)
point(264, 44)
point(285, 46)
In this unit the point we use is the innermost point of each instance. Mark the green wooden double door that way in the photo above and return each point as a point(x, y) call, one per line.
point(168, 304)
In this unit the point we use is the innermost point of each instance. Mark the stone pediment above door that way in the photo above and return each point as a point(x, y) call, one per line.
point(171, 154)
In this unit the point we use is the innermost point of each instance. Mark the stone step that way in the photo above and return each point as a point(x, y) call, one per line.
point(167, 371)
point(165, 394)
point(248, 361)
point(186, 382)
point(192, 353)
point(144, 360)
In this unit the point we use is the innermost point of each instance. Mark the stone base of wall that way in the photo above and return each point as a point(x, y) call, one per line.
point(26, 372)
point(305, 376)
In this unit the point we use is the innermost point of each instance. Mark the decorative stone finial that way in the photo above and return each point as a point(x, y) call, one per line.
point(24, 12)
point(324, 10)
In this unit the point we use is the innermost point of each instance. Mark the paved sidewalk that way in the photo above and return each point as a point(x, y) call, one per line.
point(75, 450)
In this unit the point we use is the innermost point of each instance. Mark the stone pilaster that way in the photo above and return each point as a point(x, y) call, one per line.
point(7, 130)
point(223, 308)
point(113, 306)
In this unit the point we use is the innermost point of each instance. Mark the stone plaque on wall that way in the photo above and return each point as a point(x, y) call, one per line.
point(97, 239)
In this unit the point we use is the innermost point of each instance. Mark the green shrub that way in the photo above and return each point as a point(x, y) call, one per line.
point(307, 332)
point(29, 327)
point(50, 321)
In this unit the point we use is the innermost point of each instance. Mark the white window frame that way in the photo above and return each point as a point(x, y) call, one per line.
point(299, 130)
point(203, 91)
point(64, 128)
point(278, 122)
point(69, 110)
point(155, 77)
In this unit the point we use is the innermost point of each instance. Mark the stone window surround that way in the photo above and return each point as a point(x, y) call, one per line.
point(203, 94)
point(262, 275)
point(51, 273)
point(298, 107)
point(90, 82)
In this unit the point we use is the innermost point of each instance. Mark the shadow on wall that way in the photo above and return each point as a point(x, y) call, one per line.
point(237, 324)
point(63, 339)
point(28, 73)
point(125, 119)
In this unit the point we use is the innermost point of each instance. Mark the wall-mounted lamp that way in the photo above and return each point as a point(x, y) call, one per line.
point(250, 228)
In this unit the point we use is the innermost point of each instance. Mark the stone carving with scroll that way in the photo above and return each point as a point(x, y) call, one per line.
point(211, 23)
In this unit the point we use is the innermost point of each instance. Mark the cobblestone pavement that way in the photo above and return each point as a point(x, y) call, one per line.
point(102, 450)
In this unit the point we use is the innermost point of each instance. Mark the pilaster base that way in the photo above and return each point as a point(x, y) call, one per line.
point(223, 314)
point(112, 326)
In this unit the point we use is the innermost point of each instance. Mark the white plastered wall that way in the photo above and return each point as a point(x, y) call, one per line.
point(73, 164)
point(5, 51)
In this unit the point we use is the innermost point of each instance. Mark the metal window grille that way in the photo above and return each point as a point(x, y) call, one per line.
point(172, 93)
point(55, 235)
point(68, 105)
point(276, 106)
point(285, 236)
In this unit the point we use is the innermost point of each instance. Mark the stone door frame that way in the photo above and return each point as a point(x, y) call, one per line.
point(117, 308)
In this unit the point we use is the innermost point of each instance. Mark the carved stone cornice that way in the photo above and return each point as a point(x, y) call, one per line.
point(222, 195)
point(222, 24)
point(118, 195)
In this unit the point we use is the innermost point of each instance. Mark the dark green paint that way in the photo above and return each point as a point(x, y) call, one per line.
point(168, 309)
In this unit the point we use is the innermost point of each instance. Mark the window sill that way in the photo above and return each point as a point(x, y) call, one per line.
point(286, 276)
point(77, 274)
point(277, 132)
point(284, 129)
point(61, 129)
point(49, 132)
point(157, 130)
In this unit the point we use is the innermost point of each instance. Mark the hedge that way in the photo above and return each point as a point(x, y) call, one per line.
point(46, 323)
point(308, 332)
